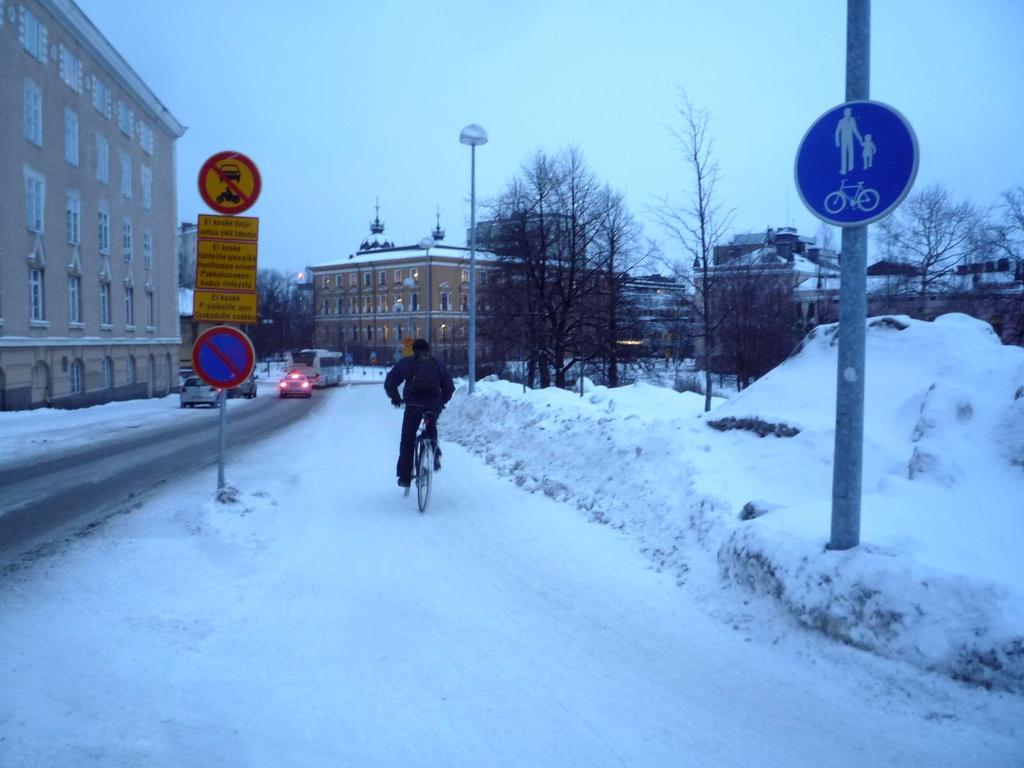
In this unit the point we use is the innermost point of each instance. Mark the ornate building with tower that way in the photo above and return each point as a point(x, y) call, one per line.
point(368, 302)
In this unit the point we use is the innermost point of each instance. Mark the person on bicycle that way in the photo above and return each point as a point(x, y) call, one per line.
point(428, 387)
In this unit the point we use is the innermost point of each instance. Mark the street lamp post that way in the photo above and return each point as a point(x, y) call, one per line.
point(426, 244)
point(474, 136)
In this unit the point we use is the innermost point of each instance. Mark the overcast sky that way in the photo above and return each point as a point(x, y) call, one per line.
point(340, 103)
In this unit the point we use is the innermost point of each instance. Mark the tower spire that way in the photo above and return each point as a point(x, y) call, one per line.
point(377, 226)
point(438, 233)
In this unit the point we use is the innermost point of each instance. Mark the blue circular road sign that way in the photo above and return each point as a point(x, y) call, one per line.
point(856, 163)
point(223, 357)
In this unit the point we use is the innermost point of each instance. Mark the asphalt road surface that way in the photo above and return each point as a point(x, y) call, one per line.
point(72, 490)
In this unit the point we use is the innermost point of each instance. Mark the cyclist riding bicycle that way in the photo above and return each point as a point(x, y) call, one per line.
point(428, 388)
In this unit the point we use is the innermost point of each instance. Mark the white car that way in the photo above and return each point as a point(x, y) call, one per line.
point(195, 391)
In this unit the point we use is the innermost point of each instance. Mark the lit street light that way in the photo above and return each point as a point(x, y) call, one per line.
point(474, 136)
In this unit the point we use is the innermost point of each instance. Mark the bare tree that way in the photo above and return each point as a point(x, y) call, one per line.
point(700, 224)
point(618, 251)
point(934, 235)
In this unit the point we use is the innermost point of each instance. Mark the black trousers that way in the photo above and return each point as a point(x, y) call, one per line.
point(411, 423)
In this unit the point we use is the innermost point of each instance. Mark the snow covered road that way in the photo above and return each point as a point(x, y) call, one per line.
point(321, 621)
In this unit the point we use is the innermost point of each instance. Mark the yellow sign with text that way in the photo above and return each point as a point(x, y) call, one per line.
point(222, 265)
point(246, 228)
point(223, 307)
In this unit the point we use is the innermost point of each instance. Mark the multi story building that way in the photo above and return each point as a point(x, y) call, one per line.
point(88, 275)
point(367, 303)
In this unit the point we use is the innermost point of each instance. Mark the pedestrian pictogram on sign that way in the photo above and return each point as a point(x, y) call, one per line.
point(223, 357)
point(229, 182)
point(856, 163)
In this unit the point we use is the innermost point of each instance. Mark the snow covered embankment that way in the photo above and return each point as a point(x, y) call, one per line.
point(936, 580)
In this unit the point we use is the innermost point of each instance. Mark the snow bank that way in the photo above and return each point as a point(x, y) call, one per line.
point(936, 580)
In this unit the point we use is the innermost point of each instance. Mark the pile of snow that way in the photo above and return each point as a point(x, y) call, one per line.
point(936, 580)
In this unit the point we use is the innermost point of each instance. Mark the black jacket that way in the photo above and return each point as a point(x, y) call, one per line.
point(403, 370)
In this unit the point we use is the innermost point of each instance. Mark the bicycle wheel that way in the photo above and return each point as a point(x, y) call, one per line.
point(867, 200)
point(424, 472)
point(835, 202)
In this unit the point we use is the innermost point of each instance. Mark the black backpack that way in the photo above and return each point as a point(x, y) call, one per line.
point(426, 378)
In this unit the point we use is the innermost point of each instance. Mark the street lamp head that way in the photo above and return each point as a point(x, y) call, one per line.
point(427, 242)
point(473, 135)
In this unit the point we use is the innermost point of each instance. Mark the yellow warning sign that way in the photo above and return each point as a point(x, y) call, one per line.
point(245, 228)
point(221, 307)
point(223, 265)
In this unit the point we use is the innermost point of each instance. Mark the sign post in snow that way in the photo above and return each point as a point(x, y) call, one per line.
point(855, 164)
point(223, 357)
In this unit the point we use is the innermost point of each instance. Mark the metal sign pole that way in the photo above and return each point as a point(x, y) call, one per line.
point(849, 447)
point(222, 438)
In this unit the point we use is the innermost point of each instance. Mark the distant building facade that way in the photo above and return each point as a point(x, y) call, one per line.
point(368, 302)
point(88, 279)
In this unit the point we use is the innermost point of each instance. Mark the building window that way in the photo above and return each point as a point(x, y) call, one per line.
point(382, 278)
point(352, 279)
point(367, 279)
point(465, 303)
point(126, 176)
point(150, 311)
point(367, 306)
point(146, 174)
point(71, 137)
point(146, 138)
point(126, 239)
point(465, 275)
point(32, 34)
point(325, 282)
point(337, 281)
point(323, 306)
point(341, 306)
point(129, 306)
point(414, 302)
point(104, 230)
point(353, 306)
point(74, 299)
point(415, 275)
point(105, 303)
point(35, 200)
point(481, 277)
point(398, 276)
point(76, 377)
point(147, 248)
point(108, 373)
point(130, 372)
point(125, 118)
point(70, 69)
point(445, 301)
point(35, 295)
point(102, 159)
point(74, 218)
point(33, 113)
point(101, 99)
point(382, 303)
point(369, 333)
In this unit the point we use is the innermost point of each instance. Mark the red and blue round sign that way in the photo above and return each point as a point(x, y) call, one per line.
point(223, 357)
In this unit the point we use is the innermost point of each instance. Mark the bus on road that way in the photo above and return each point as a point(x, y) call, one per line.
point(321, 366)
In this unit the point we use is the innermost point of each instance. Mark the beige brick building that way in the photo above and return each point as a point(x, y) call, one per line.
point(366, 303)
point(88, 273)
